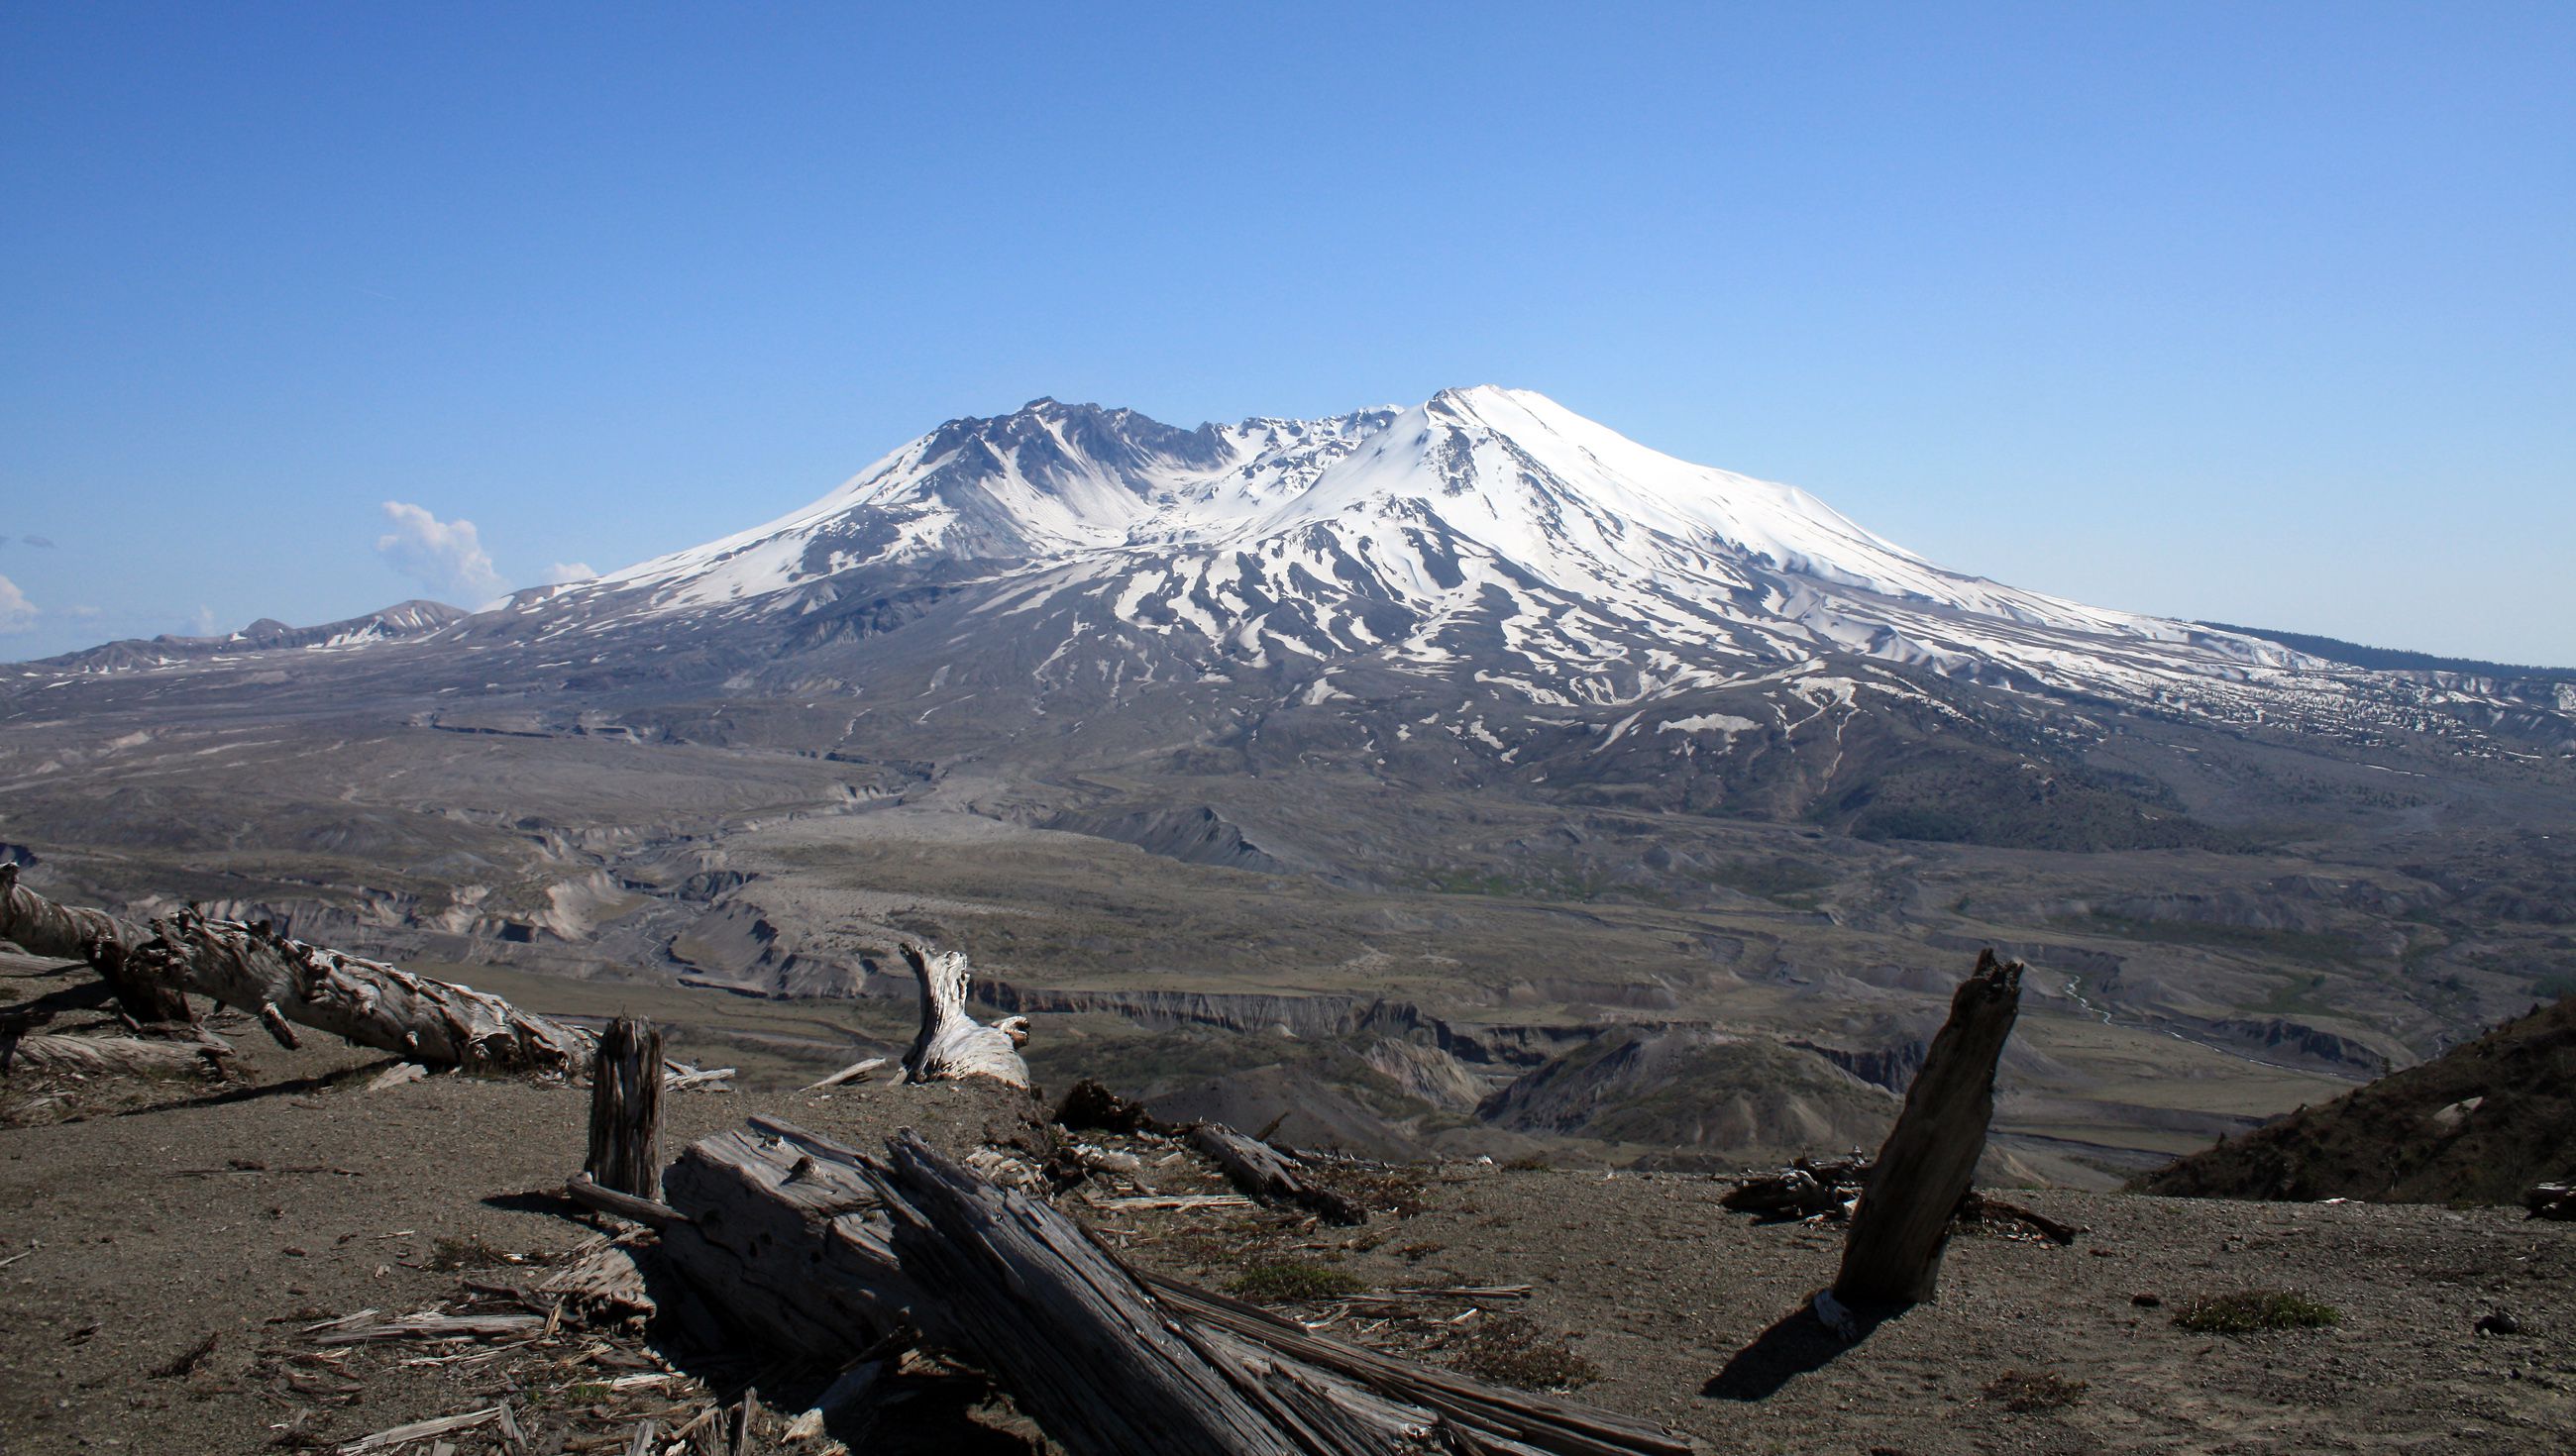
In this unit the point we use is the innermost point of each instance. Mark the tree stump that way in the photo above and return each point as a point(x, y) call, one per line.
point(1898, 1234)
point(951, 1044)
point(626, 1108)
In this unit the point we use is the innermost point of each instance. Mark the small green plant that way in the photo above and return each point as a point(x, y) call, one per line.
point(1291, 1282)
point(1512, 1350)
point(2033, 1390)
point(2245, 1311)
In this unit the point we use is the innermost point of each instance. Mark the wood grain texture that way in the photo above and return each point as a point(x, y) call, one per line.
point(1902, 1227)
point(830, 1253)
point(952, 1044)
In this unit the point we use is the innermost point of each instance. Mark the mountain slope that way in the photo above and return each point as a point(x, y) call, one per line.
point(2479, 1123)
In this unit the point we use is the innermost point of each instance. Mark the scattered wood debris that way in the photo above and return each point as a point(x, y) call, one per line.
point(1268, 1172)
point(855, 1072)
point(829, 1252)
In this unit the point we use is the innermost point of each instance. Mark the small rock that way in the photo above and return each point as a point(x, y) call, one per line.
point(2146, 1301)
point(2499, 1323)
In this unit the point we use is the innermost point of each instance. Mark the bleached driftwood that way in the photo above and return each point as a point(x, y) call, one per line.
point(96, 1056)
point(1893, 1254)
point(681, 1077)
point(855, 1071)
point(283, 981)
point(44, 928)
point(1266, 1172)
point(952, 1044)
point(832, 1254)
point(419, 1431)
point(435, 1326)
point(287, 983)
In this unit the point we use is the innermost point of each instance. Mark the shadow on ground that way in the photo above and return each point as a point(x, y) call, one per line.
point(1798, 1343)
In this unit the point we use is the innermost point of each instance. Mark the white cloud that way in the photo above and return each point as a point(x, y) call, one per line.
point(445, 556)
point(568, 571)
point(17, 614)
point(201, 623)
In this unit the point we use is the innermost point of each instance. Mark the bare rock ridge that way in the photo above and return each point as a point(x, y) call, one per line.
point(413, 618)
point(2481, 1123)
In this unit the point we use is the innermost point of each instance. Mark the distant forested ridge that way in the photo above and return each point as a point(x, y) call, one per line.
point(2390, 659)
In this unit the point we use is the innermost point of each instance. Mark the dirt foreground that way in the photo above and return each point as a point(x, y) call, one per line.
point(180, 1212)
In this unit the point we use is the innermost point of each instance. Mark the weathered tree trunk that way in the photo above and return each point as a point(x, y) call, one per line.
point(829, 1252)
point(435, 1023)
point(287, 983)
point(626, 1108)
point(952, 1044)
point(1893, 1254)
point(95, 1056)
point(1265, 1172)
point(106, 943)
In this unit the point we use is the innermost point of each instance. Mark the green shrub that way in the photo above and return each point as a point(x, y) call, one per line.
point(2245, 1311)
point(1289, 1282)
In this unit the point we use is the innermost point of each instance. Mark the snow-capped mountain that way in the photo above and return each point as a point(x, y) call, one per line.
point(1411, 537)
point(1486, 573)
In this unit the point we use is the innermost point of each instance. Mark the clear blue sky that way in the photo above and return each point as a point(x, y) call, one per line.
point(2258, 313)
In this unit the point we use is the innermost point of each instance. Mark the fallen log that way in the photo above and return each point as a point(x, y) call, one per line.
point(828, 1252)
point(1898, 1233)
point(1801, 1190)
point(952, 1044)
point(288, 983)
point(98, 1056)
point(1986, 1208)
point(96, 938)
point(436, 1023)
point(1266, 1172)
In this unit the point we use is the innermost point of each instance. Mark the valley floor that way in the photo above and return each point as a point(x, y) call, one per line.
point(182, 1212)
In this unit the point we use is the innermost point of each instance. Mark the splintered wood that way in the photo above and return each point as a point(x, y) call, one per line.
point(833, 1255)
point(1266, 1172)
point(626, 1108)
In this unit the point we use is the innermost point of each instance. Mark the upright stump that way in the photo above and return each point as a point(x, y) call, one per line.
point(1893, 1253)
point(626, 1108)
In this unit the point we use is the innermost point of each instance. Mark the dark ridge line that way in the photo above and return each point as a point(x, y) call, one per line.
point(2393, 659)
